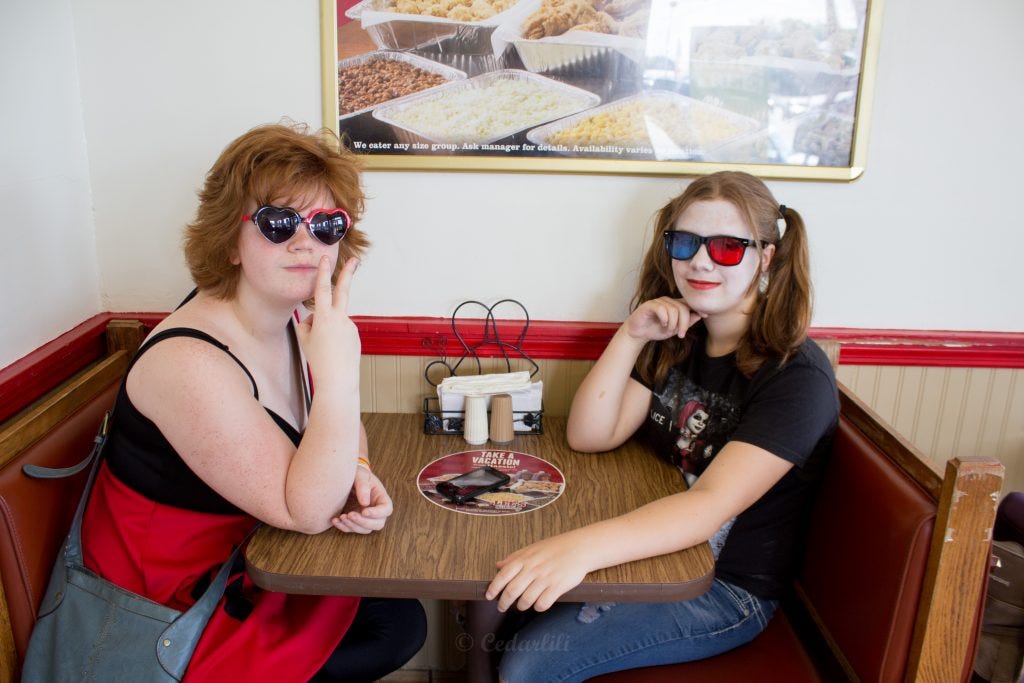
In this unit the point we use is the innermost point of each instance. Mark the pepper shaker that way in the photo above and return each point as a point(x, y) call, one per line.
point(502, 430)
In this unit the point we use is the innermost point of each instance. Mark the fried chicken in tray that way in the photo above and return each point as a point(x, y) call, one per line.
point(614, 17)
point(458, 10)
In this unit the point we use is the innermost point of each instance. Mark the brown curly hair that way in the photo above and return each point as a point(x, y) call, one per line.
point(266, 164)
point(782, 313)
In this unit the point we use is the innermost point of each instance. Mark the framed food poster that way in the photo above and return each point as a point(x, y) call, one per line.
point(659, 87)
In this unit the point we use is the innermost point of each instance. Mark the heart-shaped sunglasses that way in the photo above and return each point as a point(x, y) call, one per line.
point(278, 224)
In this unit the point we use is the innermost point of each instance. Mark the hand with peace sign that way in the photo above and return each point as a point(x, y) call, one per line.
point(328, 337)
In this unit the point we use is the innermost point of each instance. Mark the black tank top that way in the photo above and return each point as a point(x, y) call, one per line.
point(140, 456)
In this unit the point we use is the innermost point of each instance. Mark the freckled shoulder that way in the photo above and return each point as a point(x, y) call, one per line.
point(186, 366)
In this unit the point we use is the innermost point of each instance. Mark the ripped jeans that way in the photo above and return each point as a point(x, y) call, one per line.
point(574, 643)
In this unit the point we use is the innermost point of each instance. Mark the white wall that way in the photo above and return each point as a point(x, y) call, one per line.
point(48, 273)
point(165, 86)
point(928, 238)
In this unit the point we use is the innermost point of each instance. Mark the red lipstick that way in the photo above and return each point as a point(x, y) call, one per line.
point(701, 284)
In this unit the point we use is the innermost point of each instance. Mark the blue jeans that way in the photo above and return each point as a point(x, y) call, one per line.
point(571, 642)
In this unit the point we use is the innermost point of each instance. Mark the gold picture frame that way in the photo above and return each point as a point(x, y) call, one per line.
point(790, 117)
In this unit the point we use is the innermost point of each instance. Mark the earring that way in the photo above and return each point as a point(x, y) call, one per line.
point(762, 285)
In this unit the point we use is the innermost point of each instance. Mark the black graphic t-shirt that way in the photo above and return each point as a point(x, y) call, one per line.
point(790, 411)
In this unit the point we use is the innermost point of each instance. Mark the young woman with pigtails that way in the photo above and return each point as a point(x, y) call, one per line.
point(713, 367)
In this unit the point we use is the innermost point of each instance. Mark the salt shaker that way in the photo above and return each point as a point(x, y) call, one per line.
point(501, 419)
point(475, 427)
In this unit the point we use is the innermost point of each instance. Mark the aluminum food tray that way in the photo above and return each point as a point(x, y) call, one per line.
point(403, 31)
point(446, 72)
point(574, 53)
point(571, 59)
point(581, 100)
point(451, 52)
point(578, 53)
point(770, 75)
point(676, 150)
point(397, 31)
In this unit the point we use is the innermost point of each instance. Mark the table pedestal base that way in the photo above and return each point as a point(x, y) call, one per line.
point(483, 621)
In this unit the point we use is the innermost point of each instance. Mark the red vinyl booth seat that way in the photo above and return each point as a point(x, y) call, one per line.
point(35, 513)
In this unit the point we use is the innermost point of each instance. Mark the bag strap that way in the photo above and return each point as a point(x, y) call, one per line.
point(40, 472)
point(190, 626)
point(71, 552)
point(73, 546)
point(301, 366)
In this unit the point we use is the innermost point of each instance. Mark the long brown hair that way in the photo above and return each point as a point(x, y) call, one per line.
point(265, 164)
point(782, 311)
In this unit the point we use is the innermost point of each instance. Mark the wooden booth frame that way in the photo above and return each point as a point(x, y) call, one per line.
point(836, 98)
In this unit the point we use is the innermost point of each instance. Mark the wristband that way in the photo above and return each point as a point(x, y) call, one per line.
point(364, 463)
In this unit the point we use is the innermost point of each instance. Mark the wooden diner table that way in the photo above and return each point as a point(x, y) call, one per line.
point(428, 551)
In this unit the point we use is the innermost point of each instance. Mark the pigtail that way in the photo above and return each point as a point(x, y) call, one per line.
point(782, 313)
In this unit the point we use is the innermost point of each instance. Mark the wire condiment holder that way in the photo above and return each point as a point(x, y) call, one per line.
point(436, 421)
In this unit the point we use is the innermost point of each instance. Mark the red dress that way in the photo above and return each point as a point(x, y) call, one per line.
point(168, 545)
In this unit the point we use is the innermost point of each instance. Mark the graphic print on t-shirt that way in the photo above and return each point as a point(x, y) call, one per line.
point(693, 423)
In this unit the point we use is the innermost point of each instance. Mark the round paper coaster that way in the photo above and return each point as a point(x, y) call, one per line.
point(535, 482)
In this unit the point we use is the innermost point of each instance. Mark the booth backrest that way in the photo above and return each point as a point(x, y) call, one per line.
point(867, 550)
point(35, 514)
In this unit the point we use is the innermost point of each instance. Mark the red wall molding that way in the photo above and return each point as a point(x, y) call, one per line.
point(927, 348)
point(550, 339)
point(27, 379)
point(586, 341)
point(436, 336)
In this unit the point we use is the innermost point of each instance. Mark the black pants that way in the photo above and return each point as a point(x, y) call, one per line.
point(384, 635)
